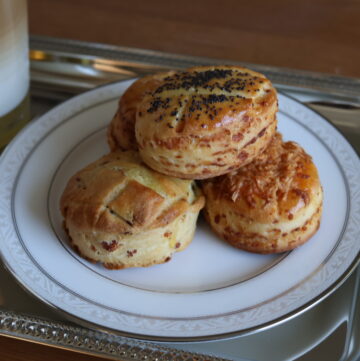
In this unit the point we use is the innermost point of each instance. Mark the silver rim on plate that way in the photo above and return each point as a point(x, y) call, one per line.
point(331, 274)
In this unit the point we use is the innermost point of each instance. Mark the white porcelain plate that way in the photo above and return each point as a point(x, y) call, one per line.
point(208, 291)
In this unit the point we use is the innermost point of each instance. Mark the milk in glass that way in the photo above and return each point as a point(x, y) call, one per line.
point(14, 68)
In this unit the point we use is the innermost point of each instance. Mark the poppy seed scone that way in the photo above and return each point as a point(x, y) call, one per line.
point(121, 130)
point(122, 214)
point(271, 205)
point(206, 121)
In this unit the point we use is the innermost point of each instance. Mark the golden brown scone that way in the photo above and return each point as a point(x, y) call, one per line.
point(119, 212)
point(206, 121)
point(121, 130)
point(271, 205)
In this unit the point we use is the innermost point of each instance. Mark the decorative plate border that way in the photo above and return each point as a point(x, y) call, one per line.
point(301, 298)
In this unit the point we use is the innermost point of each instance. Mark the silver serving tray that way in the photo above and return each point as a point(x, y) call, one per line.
point(63, 68)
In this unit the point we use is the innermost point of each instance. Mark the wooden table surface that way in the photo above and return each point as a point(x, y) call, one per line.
point(318, 35)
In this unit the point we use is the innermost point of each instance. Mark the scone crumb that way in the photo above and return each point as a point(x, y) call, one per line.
point(110, 247)
point(131, 253)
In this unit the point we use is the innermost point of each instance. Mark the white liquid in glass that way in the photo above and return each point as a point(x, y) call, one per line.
point(14, 60)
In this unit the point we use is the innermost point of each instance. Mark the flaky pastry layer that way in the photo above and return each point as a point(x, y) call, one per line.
point(271, 205)
point(206, 121)
point(119, 212)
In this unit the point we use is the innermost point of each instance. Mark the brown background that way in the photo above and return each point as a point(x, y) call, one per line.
point(318, 35)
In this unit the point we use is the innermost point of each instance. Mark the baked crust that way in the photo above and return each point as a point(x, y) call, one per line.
point(121, 130)
point(119, 212)
point(271, 205)
point(206, 121)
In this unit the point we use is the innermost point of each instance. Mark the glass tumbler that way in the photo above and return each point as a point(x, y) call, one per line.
point(14, 69)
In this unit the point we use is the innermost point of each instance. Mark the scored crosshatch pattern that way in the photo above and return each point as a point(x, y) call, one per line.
point(310, 291)
point(52, 209)
point(192, 91)
point(205, 121)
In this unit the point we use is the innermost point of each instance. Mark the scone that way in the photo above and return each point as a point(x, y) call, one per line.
point(121, 130)
point(119, 212)
point(271, 205)
point(206, 121)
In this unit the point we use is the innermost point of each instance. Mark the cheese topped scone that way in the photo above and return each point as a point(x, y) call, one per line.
point(271, 205)
point(122, 214)
point(206, 121)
